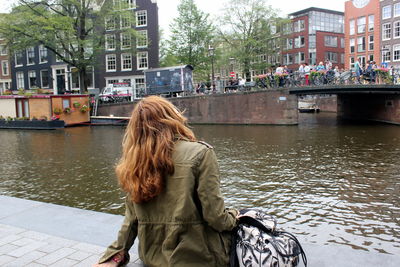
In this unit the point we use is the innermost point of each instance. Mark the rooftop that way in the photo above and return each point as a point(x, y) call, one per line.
point(301, 12)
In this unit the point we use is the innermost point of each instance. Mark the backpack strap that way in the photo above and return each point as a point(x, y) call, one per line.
point(256, 223)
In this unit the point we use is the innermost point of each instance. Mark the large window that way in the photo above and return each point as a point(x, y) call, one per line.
point(32, 79)
point(44, 77)
point(111, 63)
point(30, 55)
point(352, 45)
point(299, 42)
point(142, 60)
point(327, 22)
point(371, 43)
point(300, 58)
point(125, 20)
point(126, 41)
point(396, 10)
point(331, 56)
point(4, 68)
point(361, 24)
point(396, 52)
point(141, 18)
point(110, 23)
point(3, 50)
point(110, 42)
point(386, 12)
point(331, 41)
point(312, 41)
point(352, 62)
point(386, 31)
point(396, 29)
point(18, 58)
point(74, 78)
point(140, 87)
point(386, 54)
point(142, 41)
point(42, 54)
point(20, 80)
point(371, 23)
point(289, 43)
point(342, 43)
point(352, 27)
point(361, 44)
point(128, 4)
point(126, 62)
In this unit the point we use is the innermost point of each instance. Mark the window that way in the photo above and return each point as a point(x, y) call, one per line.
point(112, 81)
point(352, 62)
point(141, 41)
point(110, 42)
point(126, 41)
point(42, 54)
point(18, 58)
point(361, 44)
point(386, 12)
point(141, 18)
point(386, 31)
point(44, 77)
point(313, 58)
point(361, 25)
point(4, 68)
point(74, 78)
point(396, 10)
point(126, 62)
point(20, 80)
point(386, 54)
point(32, 79)
point(65, 103)
point(299, 42)
point(110, 23)
point(371, 43)
point(396, 52)
point(111, 63)
point(299, 58)
point(312, 41)
point(342, 43)
point(302, 25)
point(125, 21)
point(289, 43)
point(128, 4)
point(352, 27)
point(142, 60)
point(331, 41)
point(352, 45)
point(140, 87)
point(342, 58)
point(396, 29)
point(30, 55)
point(371, 23)
point(3, 50)
point(331, 56)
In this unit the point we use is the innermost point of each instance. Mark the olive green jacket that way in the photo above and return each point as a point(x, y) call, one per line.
point(187, 225)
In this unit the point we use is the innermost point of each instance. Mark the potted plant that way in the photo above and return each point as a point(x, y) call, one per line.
point(57, 111)
point(84, 108)
point(67, 110)
point(76, 105)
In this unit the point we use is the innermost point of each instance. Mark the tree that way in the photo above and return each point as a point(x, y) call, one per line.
point(72, 29)
point(167, 58)
point(191, 35)
point(246, 26)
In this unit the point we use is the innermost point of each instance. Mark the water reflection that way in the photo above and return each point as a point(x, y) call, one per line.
point(328, 181)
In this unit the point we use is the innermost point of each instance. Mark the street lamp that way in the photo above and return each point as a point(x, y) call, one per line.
point(211, 54)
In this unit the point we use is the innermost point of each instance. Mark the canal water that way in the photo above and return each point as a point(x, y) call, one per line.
point(327, 181)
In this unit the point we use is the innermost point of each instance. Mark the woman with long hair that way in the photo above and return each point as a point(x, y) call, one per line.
point(174, 204)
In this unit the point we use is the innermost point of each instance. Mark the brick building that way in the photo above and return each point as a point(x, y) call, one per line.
point(362, 31)
point(390, 28)
point(313, 35)
point(5, 73)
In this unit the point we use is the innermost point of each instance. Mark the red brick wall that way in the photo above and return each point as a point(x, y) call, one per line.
point(321, 48)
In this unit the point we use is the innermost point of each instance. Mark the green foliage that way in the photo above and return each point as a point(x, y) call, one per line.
point(76, 105)
point(84, 109)
point(67, 110)
point(21, 91)
point(191, 36)
point(71, 29)
point(57, 111)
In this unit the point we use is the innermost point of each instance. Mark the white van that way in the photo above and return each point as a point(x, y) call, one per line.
point(117, 92)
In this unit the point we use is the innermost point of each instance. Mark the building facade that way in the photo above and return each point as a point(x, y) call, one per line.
point(362, 31)
point(5, 73)
point(313, 35)
point(37, 67)
point(390, 29)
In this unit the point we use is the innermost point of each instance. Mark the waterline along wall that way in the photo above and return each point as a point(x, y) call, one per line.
point(272, 107)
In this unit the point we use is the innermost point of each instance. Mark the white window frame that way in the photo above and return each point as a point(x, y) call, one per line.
point(144, 40)
point(3, 50)
point(121, 19)
point(106, 20)
point(108, 43)
point(41, 50)
point(32, 48)
point(29, 79)
point(16, 61)
point(20, 80)
point(328, 41)
point(352, 43)
point(137, 18)
point(352, 25)
point(122, 35)
point(394, 29)
point(389, 9)
point(383, 31)
point(371, 22)
point(396, 47)
point(139, 57)
point(41, 79)
point(361, 44)
point(386, 54)
point(5, 62)
point(107, 63)
point(371, 42)
point(361, 24)
point(396, 10)
point(123, 55)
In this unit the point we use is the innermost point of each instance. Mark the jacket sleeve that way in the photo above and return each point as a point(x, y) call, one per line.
point(212, 202)
point(126, 235)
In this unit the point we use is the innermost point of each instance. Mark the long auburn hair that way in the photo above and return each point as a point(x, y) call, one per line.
point(147, 147)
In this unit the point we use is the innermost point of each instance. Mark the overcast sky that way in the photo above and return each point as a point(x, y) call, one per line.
point(168, 8)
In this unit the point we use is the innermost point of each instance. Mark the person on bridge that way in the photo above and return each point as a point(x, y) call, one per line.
point(358, 69)
point(174, 203)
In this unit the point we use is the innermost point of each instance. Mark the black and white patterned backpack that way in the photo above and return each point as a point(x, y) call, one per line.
point(257, 243)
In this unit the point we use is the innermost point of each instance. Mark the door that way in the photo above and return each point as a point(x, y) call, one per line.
point(60, 81)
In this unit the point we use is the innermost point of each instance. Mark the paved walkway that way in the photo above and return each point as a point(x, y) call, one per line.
point(39, 234)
